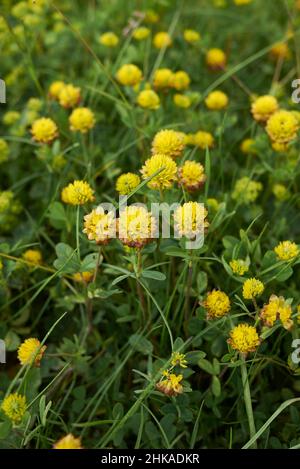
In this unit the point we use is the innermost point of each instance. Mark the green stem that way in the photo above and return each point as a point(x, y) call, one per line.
point(77, 231)
point(248, 401)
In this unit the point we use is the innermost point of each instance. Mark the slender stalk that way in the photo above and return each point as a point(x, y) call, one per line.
point(138, 286)
point(187, 294)
point(77, 231)
point(248, 401)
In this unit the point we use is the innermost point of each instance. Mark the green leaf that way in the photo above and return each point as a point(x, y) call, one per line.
point(154, 274)
point(12, 341)
point(57, 215)
point(5, 428)
point(216, 386)
point(206, 366)
point(141, 344)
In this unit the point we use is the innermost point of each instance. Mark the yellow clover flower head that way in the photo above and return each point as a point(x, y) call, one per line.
point(14, 406)
point(148, 99)
point(68, 442)
point(141, 33)
point(127, 182)
point(203, 140)
point(216, 59)
point(4, 151)
point(182, 101)
point(282, 127)
point(44, 130)
point(31, 351)
point(69, 96)
point(280, 192)
point(180, 80)
point(217, 304)
point(277, 308)
point(244, 338)
point(178, 359)
point(165, 178)
point(280, 50)
point(168, 142)
point(286, 251)
point(136, 226)
point(77, 193)
point(263, 108)
point(190, 219)
point(33, 256)
point(170, 385)
point(191, 175)
point(217, 100)
point(239, 266)
point(129, 75)
point(162, 78)
point(55, 89)
point(83, 277)
point(151, 17)
point(246, 191)
point(109, 39)
point(248, 146)
point(100, 226)
point(82, 120)
point(11, 117)
point(191, 36)
point(162, 40)
point(252, 288)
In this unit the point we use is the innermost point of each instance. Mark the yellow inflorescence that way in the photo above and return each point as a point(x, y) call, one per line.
point(82, 120)
point(31, 351)
point(239, 266)
point(161, 40)
point(77, 193)
point(162, 78)
point(181, 100)
point(136, 226)
point(167, 175)
point(286, 250)
point(129, 75)
point(191, 36)
point(277, 308)
point(217, 100)
point(263, 108)
point(44, 130)
point(190, 219)
point(33, 256)
point(252, 288)
point(217, 304)
point(180, 80)
point(203, 140)
point(282, 127)
point(148, 99)
point(246, 191)
point(69, 96)
point(127, 182)
point(168, 142)
point(191, 175)
point(216, 59)
point(100, 226)
point(244, 338)
point(68, 442)
point(171, 385)
point(141, 33)
point(109, 39)
point(55, 89)
point(14, 406)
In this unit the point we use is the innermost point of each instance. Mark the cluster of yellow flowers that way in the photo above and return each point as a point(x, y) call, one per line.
point(170, 383)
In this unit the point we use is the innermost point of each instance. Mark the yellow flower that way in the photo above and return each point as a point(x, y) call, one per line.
point(100, 226)
point(77, 193)
point(180, 100)
point(280, 50)
point(252, 288)
point(148, 99)
point(31, 351)
point(68, 442)
point(203, 140)
point(279, 147)
point(239, 266)
point(83, 277)
point(244, 338)
point(216, 59)
point(162, 78)
point(161, 40)
point(4, 151)
point(141, 33)
point(180, 80)
point(217, 100)
point(242, 2)
point(44, 130)
point(127, 182)
point(165, 178)
point(82, 120)
point(109, 39)
point(136, 226)
point(286, 250)
point(277, 308)
point(191, 36)
point(281, 192)
point(129, 75)
point(190, 139)
point(191, 175)
point(178, 359)
point(247, 146)
point(34, 104)
point(190, 219)
point(55, 89)
point(246, 191)
point(282, 127)
point(263, 108)
point(11, 117)
point(33, 256)
point(168, 142)
point(217, 304)
point(14, 406)
point(69, 96)
point(170, 385)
